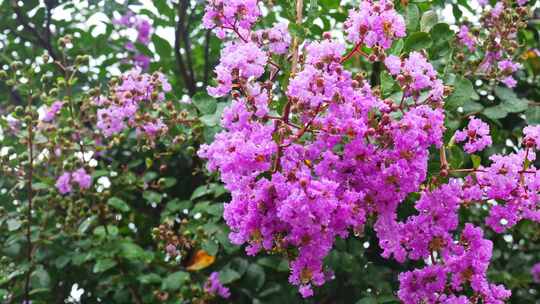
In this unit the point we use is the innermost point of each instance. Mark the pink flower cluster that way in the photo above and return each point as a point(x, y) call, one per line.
point(223, 16)
point(213, 286)
point(65, 181)
point(276, 39)
point(299, 193)
point(375, 23)
point(535, 272)
point(466, 38)
point(239, 61)
point(52, 111)
point(136, 90)
point(500, 42)
point(415, 75)
point(338, 154)
point(454, 265)
point(144, 31)
point(476, 134)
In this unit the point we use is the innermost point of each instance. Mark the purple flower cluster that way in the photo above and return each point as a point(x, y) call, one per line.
point(144, 31)
point(454, 265)
point(223, 16)
point(515, 187)
point(535, 272)
point(65, 181)
point(532, 136)
point(415, 75)
point(295, 194)
point(239, 62)
point(500, 42)
point(277, 39)
point(466, 38)
point(476, 134)
point(375, 23)
point(136, 90)
point(338, 154)
point(213, 286)
point(52, 111)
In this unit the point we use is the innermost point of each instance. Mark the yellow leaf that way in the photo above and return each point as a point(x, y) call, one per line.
point(200, 260)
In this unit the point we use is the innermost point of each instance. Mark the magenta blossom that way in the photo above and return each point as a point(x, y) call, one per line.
point(52, 111)
point(375, 23)
point(63, 183)
point(82, 178)
point(476, 134)
point(466, 38)
point(213, 286)
point(535, 272)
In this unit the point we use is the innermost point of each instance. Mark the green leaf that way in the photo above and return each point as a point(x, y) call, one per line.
point(150, 278)
point(227, 275)
point(417, 41)
point(210, 247)
point(13, 224)
point(103, 265)
point(152, 196)
point(175, 280)
point(441, 32)
point(210, 120)
point(132, 251)
point(413, 16)
point(275, 263)
point(387, 83)
point(429, 19)
point(215, 209)
point(202, 191)
point(167, 182)
point(367, 300)
point(83, 227)
point(476, 160)
point(143, 49)
point(205, 103)
point(256, 276)
point(533, 115)
point(496, 112)
point(463, 92)
point(40, 278)
point(509, 100)
point(118, 204)
point(163, 47)
point(330, 4)
point(472, 107)
point(297, 30)
point(397, 47)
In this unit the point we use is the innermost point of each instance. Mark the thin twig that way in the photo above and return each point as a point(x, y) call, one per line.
point(179, 58)
point(29, 180)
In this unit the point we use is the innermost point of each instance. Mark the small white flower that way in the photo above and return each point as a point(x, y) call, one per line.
point(103, 183)
point(42, 111)
point(75, 295)
point(4, 151)
point(197, 215)
point(93, 163)
point(43, 155)
point(86, 157)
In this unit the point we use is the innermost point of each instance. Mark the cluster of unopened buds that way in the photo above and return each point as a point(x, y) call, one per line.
point(495, 41)
point(174, 242)
point(128, 99)
point(338, 153)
